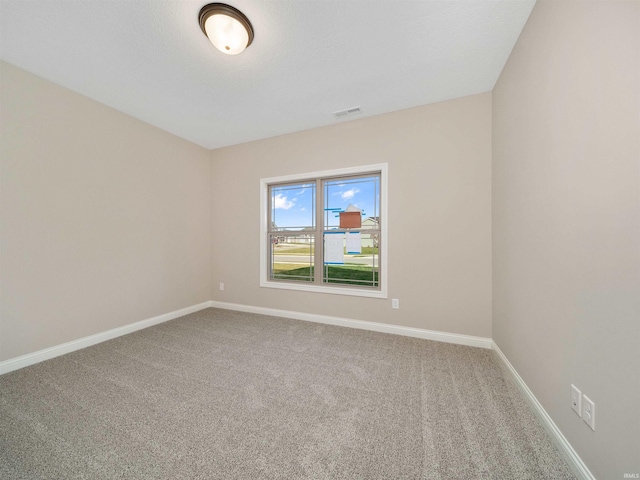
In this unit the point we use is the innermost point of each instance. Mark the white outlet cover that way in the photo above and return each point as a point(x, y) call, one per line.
point(576, 400)
point(589, 412)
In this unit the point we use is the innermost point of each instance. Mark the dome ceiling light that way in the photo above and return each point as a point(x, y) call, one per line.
point(226, 27)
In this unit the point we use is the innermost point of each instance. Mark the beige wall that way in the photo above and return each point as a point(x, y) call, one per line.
point(104, 219)
point(566, 213)
point(439, 160)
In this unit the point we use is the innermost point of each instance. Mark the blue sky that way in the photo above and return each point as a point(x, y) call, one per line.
point(293, 204)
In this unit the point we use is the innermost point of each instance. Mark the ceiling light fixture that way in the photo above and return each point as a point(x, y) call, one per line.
point(226, 27)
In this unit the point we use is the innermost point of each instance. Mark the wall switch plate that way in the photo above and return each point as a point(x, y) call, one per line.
point(395, 303)
point(221, 286)
point(576, 400)
point(589, 412)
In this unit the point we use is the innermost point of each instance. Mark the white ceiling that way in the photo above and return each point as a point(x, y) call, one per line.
point(309, 58)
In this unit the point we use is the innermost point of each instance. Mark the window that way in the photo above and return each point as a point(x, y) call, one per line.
point(325, 231)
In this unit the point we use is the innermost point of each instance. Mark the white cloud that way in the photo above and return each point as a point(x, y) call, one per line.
point(280, 201)
point(304, 188)
point(349, 193)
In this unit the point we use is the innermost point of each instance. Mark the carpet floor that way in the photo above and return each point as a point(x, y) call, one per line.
point(227, 395)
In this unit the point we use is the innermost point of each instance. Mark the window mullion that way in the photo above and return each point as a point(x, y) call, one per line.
point(318, 258)
point(267, 240)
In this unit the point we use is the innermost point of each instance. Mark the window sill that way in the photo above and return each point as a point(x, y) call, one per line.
point(355, 292)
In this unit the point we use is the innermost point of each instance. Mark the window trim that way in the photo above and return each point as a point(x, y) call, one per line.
point(336, 290)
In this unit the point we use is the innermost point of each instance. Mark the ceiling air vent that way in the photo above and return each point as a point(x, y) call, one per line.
point(347, 112)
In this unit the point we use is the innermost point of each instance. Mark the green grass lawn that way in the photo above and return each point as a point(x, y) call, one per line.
point(343, 274)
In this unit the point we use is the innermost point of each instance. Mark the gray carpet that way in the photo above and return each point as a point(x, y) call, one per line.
point(228, 395)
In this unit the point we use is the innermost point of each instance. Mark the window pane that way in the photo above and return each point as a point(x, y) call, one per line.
point(347, 266)
point(351, 257)
point(352, 194)
point(292, 257)
point(293, 207)
point(351, 275)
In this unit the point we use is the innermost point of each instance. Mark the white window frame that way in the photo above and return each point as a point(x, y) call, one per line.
point(335, 289)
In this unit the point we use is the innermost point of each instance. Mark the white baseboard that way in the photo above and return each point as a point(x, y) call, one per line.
point(41, 355)
point(456, 338)
point(566, 450)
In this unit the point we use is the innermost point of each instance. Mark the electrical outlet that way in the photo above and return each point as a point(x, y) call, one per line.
point(576, 400)
point(395, 303)
point(221, 286)
point(589, 412)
